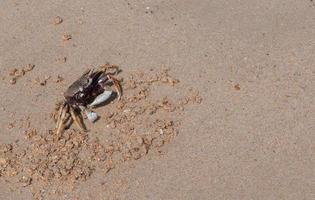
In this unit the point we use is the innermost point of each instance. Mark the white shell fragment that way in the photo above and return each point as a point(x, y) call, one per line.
point(101, 98)
point(92, 116)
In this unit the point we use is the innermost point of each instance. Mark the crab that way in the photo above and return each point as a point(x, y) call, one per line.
point(90, 90)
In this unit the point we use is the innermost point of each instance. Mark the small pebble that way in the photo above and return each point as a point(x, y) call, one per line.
point(66, 37)
point(92, 116)
point(13, 81)
point(237, 87)
point(58, 20)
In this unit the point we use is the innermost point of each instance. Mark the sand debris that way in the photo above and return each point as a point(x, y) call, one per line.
point(18, 73)
point(59, 79)
point(134, 127)
point(61, 60)
point(41, 81)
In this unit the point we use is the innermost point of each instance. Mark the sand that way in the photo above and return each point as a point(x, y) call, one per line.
point(245, 69)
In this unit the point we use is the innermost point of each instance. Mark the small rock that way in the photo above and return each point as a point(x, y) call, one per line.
point(92, 116)
point(66, 37)
point(237, 87)
point(58, 20)
point(13, 81)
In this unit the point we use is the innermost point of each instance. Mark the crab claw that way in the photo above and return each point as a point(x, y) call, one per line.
point(116, 85)
point(101, 98)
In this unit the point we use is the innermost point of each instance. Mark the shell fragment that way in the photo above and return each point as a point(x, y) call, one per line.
point(92, 116)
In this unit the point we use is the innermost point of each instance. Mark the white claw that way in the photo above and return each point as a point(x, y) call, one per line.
point(101, 98)
point(92, 116)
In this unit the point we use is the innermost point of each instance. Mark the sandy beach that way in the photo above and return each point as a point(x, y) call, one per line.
point(218, 99)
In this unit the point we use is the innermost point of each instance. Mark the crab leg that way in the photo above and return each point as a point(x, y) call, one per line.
point(107, 66)
point(59, 115)
point(63, 119)
point(68, 123)
point(77, 119)
point(63, 125)
point(116, 85)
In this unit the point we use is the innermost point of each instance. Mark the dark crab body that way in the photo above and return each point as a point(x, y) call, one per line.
point(91, 89)
point(84, 90)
